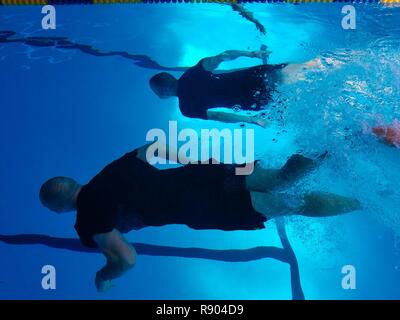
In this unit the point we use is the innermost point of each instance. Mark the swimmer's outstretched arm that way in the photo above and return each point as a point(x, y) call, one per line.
point(120, 254)
point(211, 63)
point(229, 116)
point(249, 16)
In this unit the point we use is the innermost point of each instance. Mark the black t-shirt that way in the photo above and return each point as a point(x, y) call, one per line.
point(200, 90)
point(131, 194)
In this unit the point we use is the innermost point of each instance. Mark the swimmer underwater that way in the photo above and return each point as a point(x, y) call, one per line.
point(201, 89)
point(130, 194)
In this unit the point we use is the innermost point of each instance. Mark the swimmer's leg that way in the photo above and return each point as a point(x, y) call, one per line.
point(267, 180)
point(295, 72)
point(269, 204)
point(314, 204)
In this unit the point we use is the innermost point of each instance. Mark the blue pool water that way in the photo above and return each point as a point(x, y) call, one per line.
point(65, 112)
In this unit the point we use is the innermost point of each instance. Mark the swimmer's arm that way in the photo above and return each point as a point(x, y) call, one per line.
point(147, 153)
point(249, 16)
point(212, 63)
point(227, 115)
point(121, 257)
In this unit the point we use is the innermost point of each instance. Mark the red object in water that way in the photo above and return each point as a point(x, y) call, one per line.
point(390, 134)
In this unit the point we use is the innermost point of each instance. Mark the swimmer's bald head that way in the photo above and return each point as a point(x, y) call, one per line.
point(60, 194)
point(164, 85)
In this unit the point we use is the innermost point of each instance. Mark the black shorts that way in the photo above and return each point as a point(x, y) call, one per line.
point(212, 196)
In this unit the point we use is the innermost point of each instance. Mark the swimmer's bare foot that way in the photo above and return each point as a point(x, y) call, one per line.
point(298, 166)
point(322, 204)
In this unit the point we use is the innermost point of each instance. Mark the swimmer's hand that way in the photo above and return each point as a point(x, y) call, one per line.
point(260, 27)
point(120, 255)
point(261, 54)
point(101, 284)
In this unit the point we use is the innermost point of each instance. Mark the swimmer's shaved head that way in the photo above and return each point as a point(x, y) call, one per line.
point(164, 85)
point(59, 194)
